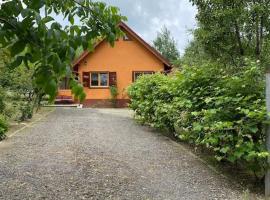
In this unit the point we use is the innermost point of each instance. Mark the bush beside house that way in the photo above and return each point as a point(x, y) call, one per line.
point(17, 93)
point(220, 109)
point(3, 127)
point(3, 122)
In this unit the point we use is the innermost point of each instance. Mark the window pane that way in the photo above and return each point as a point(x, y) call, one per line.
point(137, 75)
point(104, 79)
point(94, 79)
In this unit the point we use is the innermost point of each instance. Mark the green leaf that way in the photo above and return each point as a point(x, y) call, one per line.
point(253, 129)
point(56, 25)
point(37, 4)
point(17, 62)
point(208, 100)
point(90, 46)
point(25, 12)
point(84, 43)
point(17, 47)
point(224, 150)
point(27, 22)
point(197, 126)
point(47, 19)
point(82, 97)
point(51, 88)
point(71, 52)
point(71, 19)
point(3, 40)
point(219, 158)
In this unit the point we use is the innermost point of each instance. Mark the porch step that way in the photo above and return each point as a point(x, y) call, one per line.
point(64, 105)
point(64, 99)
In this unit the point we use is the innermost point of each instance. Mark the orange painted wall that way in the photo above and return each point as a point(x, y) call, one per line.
point(124, 58)
point(64, 93)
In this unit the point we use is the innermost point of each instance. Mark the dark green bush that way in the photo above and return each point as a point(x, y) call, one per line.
point(2, 97)
point(149, 96)
point(26, 111)
point(217, 108)
point(3, 127)
point(114, 93)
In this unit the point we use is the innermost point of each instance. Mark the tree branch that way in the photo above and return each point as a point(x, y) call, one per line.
point(5, 21)
point(87, 8)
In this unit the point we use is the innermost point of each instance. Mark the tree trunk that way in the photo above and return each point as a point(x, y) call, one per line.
point(267, 175)
point(257, 51)
point(238, 37)
point(261, 32)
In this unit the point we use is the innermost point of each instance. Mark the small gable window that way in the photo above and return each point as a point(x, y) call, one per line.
point(99, 79)
point(126, 38)
point(137, 74)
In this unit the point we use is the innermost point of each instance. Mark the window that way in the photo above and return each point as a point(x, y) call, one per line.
point(99, 79)
point(136, 75)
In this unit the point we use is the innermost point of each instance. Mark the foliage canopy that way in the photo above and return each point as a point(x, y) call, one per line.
point(29, 29)
point(232, 30)
point(166, 45)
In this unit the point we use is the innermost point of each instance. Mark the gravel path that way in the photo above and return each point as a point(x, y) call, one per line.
point(102, 154)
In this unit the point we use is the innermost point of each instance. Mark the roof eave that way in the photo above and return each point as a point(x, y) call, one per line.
point(132, 33)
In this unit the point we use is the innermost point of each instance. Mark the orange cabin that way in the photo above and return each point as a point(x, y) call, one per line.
point(117, 66)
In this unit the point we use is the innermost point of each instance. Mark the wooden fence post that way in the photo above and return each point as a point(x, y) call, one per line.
point(267, 175)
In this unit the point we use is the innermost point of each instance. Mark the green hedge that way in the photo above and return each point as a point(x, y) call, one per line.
point(3, 122)
point(220, 109)
point(3, 127)
point(2, 98)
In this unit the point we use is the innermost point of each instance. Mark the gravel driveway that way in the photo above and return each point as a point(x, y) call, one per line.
point(102, 154)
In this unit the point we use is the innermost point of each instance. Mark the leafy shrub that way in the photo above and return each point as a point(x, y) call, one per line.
point(3, 127)
point(217, 108)
point(114, 93)
point(2, 97)
point(148, 96)
point(26, 111)
point(11, 111)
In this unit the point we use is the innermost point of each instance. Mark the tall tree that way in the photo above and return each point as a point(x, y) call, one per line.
point(194, 54)
point(231, 30)
point(166, 45)
point(29, 29)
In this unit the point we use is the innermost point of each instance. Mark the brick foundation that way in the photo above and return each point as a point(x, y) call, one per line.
point(105, 103)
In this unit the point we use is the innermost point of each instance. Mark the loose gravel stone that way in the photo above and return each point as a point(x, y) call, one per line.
point(103, 154)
